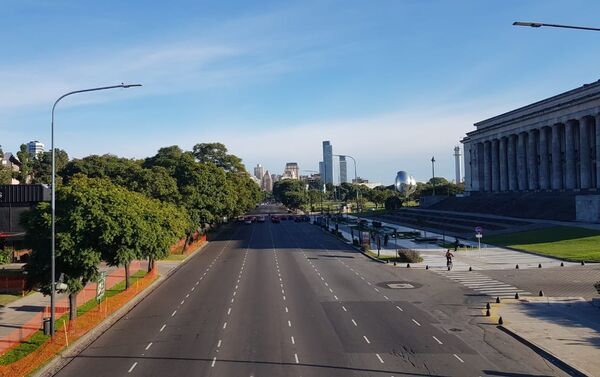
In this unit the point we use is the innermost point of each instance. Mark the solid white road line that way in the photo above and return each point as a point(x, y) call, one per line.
point(417, 323)
point(437, 340)
point(366, 339)
point(133, 366)
point(162, 328)
point(148, 346)
point(379, 357)
point(459, 359)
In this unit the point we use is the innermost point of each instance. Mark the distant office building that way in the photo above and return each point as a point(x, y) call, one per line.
point(360, 180)
point(327, 162)
point(266, 182)
point(35, 147)
point(291, 171)
point(343, 170)
point(259, 171)
point(321, 170)
point(275, 178)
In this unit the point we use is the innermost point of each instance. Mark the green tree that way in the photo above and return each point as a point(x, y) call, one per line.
point(24, 172)
point(290, 192)
point(216, 153)
point(41, 166)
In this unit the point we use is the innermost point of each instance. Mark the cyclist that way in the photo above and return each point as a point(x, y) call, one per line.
point(449, 256)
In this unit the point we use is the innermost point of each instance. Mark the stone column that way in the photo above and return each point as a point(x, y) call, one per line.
point(557, 176)
point(597, 119)
point(521, 162)
point(544, 163)
point(480, 166)
point(585, 162)
point(532, 161)
point(487, 166)
point(502, 157)
point(512, 163)
point(571, 174)
point(495, 166)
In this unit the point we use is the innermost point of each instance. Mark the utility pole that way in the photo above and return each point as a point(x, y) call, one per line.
point(433, 174)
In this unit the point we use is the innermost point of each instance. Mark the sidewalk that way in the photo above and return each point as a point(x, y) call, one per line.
point(566, 328)
point(488, 258)
point(23, 317)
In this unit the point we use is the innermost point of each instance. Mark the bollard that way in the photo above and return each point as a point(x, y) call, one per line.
point(470, 269)
point(517, 296)
point(500, 321)
point(408, 265)
point(497, 299)
point(394, 263)
point(487, 313)
point(517, 267)
point(562, 264)
point(541, 293)
point(582, 263)
point(427, 267)
point(540, 265)
point(488, 306)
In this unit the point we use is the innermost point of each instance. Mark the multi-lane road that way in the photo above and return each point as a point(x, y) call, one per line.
point(290, 300)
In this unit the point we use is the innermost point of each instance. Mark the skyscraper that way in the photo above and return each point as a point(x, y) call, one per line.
point(266, 182)
point(327, 162)
point(343, 170)
point(259, 171)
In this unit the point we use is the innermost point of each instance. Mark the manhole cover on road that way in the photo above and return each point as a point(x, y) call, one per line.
point(400, 285)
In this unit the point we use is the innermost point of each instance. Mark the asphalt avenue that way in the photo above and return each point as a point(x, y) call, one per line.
point(290, 300)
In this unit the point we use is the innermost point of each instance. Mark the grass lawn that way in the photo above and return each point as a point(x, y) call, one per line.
point(569, 243)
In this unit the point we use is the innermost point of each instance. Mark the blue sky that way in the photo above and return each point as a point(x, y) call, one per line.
point(390, 82)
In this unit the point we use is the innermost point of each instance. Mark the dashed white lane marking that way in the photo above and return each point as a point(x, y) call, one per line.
point(283, 298)
point(293, 341)
point(353, 321)
point(327, 285)
point(173, 315)
point(417, 323)
point(399, 308)
point(343, 307)
point(379, 357)
point(330, 290)
point(148, 346)
point(182, 302)
point(335, 297)
point(366, 339)
point(289, 324)
point(376, 290)
point(213, 362)
point(229, 311)
point(232, 300)
point(234, 293)
point(133, 366)
point(296, 357)
point(219, 344)
point(225, 325)
point(188, 295)
point(369, 283)
point(459, 359)
point(286, 309)
point(386, 297)
point(437, 340)
point(162, 328)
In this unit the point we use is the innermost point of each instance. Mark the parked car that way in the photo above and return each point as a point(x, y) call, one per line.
point(261, 219)
point(275, 220)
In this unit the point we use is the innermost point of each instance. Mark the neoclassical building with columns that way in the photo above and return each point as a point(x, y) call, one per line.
point(550, 145)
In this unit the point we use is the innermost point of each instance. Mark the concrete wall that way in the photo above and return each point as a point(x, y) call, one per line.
point(587, 208)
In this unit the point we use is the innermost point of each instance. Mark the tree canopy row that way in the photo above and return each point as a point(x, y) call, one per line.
point(118, 210)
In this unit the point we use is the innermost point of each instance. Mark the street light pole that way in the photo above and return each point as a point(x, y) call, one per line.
point(540, 24)
point(433, 174)
point(53, 199)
